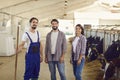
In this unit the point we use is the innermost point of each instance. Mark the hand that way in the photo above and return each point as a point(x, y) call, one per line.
point(17, 51)
point(61, 59)
point(41, 59)
point(46, 60)
point(78, 62)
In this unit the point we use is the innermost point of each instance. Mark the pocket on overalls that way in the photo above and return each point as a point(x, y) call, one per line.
point(35, 49)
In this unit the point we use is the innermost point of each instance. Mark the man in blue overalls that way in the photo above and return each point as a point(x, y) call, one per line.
point(34, 51)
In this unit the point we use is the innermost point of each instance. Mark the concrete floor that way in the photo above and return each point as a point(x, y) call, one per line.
point(7, 67)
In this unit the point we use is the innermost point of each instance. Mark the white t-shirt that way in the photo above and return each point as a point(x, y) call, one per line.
point(54, 36)
point(33, 36)
point(75, 42)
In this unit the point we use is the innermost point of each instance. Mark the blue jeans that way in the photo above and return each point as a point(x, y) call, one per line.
point(77, 69)
point(61, 69)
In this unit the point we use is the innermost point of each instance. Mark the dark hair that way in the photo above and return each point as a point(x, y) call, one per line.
point(33, 18)
point(54, 20)
point(79, 25)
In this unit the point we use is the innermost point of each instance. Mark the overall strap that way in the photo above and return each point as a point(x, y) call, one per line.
point(38, 35)
point(29, 37)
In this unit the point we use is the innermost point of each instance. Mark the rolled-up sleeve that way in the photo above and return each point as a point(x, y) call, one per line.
point(24, 37)
point(83, 45)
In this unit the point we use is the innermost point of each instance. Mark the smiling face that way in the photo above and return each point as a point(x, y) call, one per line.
point(54, 25)
point(34, 24)
point(78, 30)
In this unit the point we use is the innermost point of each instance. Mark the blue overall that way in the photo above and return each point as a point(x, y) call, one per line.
point(32, 60)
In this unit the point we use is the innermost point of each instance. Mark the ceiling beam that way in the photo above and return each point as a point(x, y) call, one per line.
point(39, 8)
point(50, 10)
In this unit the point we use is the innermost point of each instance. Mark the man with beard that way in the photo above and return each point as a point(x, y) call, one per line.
point(55, 50)
point(34, 51)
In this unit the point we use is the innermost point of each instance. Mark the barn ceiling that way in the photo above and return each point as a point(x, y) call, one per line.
point(47, 9)
point(43, 9)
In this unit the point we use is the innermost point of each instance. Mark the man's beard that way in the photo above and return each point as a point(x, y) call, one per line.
point(33, 27)
point(54, 28)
